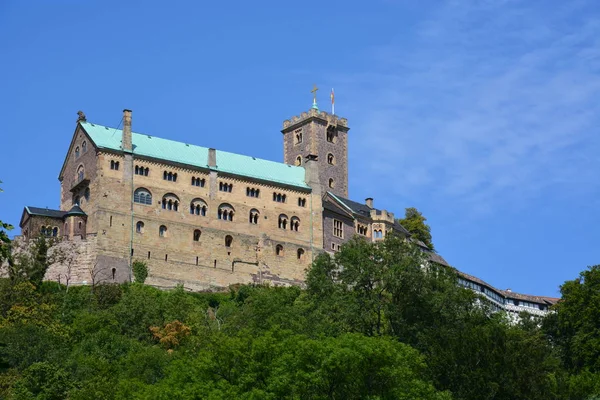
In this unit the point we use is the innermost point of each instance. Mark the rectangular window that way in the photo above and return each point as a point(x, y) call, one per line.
point(338, 229)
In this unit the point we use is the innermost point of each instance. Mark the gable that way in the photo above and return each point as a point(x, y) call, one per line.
point(78, 131)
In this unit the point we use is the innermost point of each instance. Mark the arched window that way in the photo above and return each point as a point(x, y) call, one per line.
point(254, 214)
point(142, 196)
point(77, 152)
point(298, 137)
point(86, 194)
point(331, 134)
point(295, 224)
point(228, 241)
point(80, 173)
point(330, 159)
point(299, 160)
point(198, 181)
point(198, 207)
point(225, 212)
point(300, 254)
point(43, 230)
point(279, 250)
point(55, 231)
point(331, 183)
point(170, 202)
point(283, 221)
point(162, 231)
point(197, 234)
point(140, 170)
point(301, 202)
point(114, 165)
point(84, 146)
point(225, 187)
point(139, 227)
point(170, 176)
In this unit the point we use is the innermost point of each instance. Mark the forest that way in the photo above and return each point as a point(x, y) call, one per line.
point(370, 323)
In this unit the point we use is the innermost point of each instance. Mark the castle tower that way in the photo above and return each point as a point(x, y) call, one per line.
point(323, 137)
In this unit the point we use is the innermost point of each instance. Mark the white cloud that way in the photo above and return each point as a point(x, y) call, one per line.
point(489, 104)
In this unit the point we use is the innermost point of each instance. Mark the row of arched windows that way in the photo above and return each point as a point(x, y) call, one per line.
point(49, 231)
point(139, 170)
point(198, 181)
point(294, 223)
point(278, 197)
point(252, 192)
point(225, 187)
point(377, 234)
point(170, 176)
point(362, 230)
point(114, 165)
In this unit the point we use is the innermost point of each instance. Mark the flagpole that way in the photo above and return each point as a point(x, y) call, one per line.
point(332, 102)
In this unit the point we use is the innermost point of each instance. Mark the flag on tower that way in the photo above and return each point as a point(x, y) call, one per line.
point(332, 102)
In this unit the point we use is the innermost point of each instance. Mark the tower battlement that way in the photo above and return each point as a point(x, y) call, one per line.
point(315, 114)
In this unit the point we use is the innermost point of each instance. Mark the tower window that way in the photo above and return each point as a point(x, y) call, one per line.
point(331, 183)
point(114, 165)
point(252, 192)
point(298, 136)
point(254, 215)
point(301, 202)
point(338, 229)
point(142, 196)
point(330, 159)
point(200, 182)
point(300, 254)
point(299, 160)
point(197, 234)
point(139, 227)
point(279, 250)
point(228, 243)
point(331, 134)
point(225, 187)
point(283, 221)
point(162, 231)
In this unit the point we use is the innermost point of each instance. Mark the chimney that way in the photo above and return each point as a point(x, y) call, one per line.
point(212, 158)
point(369, 202)
point(126, 141)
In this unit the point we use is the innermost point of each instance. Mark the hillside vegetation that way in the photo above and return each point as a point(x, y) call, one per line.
point(371, 324)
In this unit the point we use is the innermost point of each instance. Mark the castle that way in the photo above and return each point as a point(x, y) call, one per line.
point(206, 218)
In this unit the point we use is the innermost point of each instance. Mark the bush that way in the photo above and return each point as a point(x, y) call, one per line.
point(140, 271)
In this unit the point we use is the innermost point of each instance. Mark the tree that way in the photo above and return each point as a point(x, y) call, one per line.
point(5, 244)
point(414, 222)
point(140, 271)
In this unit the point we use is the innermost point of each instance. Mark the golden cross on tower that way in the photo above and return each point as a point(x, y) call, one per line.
point(314, 92)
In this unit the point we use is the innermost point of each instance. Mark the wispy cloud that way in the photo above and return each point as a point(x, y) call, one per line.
point(489, 104)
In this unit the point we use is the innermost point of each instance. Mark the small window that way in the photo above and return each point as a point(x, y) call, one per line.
point(55, 231)
point(301, 202)
point(79, 225)
point(80, 173)
point(331, 134)
point(197, 234)
point(77, 152)
point(299, 160)
point(298, 136)
point(252, 192)
point(330, 159)
point(300, 254)
point(225, 187)
point(331, 183)
point(279, 250)
point(338, 229)
point(84, 147)
point(169, 176)
point(142, 196)
point(200, 182)
point(114, 165)
point(228, 242)
point(162, 231)
point(279, 198)
point(139, 227)
point(114, 273)
point(253, 218)
point(283, 221)
point(86, 194)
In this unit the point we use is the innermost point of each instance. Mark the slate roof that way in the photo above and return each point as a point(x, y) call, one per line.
point(197, 156)
point(75, 210)
point(45, 212)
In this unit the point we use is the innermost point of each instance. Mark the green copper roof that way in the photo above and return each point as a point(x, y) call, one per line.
point(197, 156)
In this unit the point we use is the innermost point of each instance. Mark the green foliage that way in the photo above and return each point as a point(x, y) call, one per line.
point(414, 222)
point(376, 321)
point(140, 271)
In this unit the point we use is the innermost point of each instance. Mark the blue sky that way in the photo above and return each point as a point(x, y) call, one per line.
point(483, 114)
